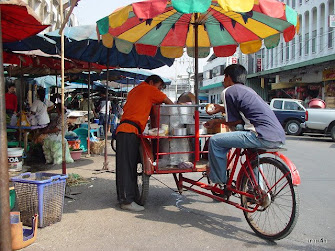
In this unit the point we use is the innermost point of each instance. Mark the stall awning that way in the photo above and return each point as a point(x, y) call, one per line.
point(207, 87)
point(283, 85)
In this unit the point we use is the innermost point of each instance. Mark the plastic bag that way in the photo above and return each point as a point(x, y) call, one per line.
point(52, 149)
point(13, 120)
point(24, 120)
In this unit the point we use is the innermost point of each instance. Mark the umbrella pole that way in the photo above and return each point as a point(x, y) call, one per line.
point(88, 115)
point(56, 85)
point(196, 52)
point(105, 166)
point(5, 234)
point(62, 92)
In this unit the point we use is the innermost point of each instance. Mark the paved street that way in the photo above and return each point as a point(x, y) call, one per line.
point(93, 221)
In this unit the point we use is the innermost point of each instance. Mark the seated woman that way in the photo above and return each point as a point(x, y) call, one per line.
point(41, 107)
point(51, 139)
point(54, 127)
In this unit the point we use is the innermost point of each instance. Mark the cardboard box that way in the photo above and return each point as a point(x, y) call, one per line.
point(218, 129)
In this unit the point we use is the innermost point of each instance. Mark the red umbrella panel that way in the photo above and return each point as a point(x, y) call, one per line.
point(37, 61)
point(18, 21)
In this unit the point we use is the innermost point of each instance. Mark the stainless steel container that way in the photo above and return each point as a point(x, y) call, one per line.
point(176, 145)
point(191, 129)
point(176, 117)
point(179, 131)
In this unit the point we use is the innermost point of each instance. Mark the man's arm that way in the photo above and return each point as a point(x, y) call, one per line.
point(167, 101)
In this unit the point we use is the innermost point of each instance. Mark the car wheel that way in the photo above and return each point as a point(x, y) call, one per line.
point(332, 133)
point(292, 127)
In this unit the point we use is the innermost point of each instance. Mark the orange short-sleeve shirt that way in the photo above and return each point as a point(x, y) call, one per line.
point(138, 106)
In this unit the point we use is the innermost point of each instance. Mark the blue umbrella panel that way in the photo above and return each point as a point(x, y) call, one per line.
point(82, 43)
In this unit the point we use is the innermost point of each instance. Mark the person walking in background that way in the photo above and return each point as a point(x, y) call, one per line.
point(84, 105)
point(11, 100)
point(102, 112)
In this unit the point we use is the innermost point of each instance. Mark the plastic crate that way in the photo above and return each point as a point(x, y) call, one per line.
point(42, 194)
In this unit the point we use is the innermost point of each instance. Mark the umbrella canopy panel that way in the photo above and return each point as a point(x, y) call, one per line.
point(18, 21)
point(82, 43)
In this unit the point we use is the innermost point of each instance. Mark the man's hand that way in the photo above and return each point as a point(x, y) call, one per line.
point(217, 108)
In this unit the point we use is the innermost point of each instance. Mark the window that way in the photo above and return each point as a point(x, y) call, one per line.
point(314, 41)
point(300, 45)
point(287, 52)
point(330, 38)
point(293, 49)
point(292, 106)
point(277, 104)
point(281, 52)
point(306, 43)
point(293, 4)
point(321, 38)
point(217, 71)
point(207, 75)
point(222, 67)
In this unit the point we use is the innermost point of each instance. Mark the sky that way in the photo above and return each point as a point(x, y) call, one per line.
point(90, 11)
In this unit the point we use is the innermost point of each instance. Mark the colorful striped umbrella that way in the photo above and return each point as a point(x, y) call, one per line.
point(168, 27)
point(222, 25)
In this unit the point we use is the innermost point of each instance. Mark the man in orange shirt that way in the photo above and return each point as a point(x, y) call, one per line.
point(134, 119)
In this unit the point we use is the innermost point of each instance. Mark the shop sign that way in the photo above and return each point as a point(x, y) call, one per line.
point(332, 21)
point(234, 60)
point(259, 63)
point(328, 74)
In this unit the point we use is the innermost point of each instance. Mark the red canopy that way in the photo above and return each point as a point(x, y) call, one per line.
point(18, 21)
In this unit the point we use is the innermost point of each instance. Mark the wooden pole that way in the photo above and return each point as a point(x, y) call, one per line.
point(64, 21)
point(62, 90)
point(5, 234)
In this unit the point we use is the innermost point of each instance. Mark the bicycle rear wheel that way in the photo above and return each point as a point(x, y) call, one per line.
point(278, 212)
point(142, 182)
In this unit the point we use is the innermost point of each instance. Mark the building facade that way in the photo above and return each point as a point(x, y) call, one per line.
point(48, 12)
point(304, 67)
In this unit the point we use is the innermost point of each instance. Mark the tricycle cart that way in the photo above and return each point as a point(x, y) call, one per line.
point(261, 182)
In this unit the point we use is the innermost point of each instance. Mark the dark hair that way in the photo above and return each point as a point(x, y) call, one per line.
point(41, 94)
point(237, 73)
point(155, 79)
point(85, 95)
point(11, 85)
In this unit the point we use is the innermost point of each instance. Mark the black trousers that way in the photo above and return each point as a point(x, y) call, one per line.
point(127, 155)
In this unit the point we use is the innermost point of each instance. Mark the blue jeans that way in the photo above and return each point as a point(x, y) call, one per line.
point(221, 143)
point(102, 121)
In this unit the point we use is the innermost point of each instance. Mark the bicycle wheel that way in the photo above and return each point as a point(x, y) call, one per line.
point(142, 183)
point(278, 201)
point(113, 144)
